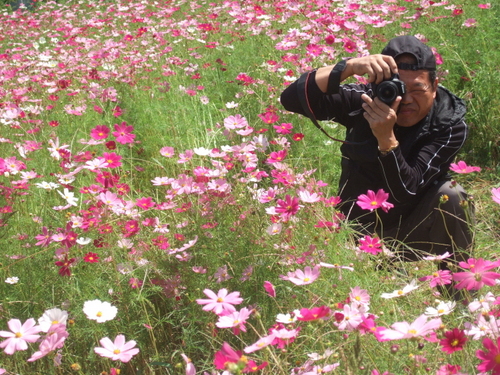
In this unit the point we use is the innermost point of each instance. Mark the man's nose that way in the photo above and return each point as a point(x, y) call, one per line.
point(407, 98)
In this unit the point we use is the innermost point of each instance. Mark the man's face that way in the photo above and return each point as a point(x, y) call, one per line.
point(419, 97)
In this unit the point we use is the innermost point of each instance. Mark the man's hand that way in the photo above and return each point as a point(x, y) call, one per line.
point(377, 67)
point(382, 119)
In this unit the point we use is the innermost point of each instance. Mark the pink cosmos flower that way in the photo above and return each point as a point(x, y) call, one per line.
point(270, 289)
point(119, 350)
point(489, 356)
point(168, 152)
point(288, 207)
point(220, 301)
point(495, 195)
point(462, 167)
point(371, 200)
point(99, 132)
point(440, 277)
point(419, 328)
point(315, 313)
point(370, 245)
point(276, 157)
point(145, 203)
point(449, 370)
point(283, 128)
point(20, 335)
point(477, 275)
point(113, 159)
point(226, 355)
point(269, 117)
point(308, 276)
point(123, 133)
point(484, 6)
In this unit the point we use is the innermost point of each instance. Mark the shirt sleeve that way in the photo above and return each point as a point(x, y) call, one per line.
point(406, 178)
point(336, 107)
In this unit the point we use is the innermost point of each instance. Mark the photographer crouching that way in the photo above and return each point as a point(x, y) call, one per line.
point(403, 131)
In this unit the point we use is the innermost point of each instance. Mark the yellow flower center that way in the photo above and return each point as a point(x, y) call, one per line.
point(55, 322)
point(455, 342)
point(412, 331)
point(99, 314)
point(306, 279)
point(116, 351)
point(18, 335)
point(497, 359)
point(373, 203)
point(220, 299)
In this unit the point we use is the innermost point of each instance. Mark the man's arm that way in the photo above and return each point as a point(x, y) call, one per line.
point(405, 180)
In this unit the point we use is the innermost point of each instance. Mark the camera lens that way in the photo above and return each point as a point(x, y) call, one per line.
point(387, 92)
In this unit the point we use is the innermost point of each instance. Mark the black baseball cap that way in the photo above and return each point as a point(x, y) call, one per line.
point(411, 45)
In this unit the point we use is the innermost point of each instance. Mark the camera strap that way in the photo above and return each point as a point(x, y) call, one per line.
point(304, 101)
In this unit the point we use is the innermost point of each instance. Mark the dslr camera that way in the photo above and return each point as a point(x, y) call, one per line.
point(387, 91)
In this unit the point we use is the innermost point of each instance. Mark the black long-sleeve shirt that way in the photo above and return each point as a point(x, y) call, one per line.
point(424, 155)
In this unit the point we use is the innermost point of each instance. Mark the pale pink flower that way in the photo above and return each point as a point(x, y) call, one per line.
point(119, 350)
point(495, 195)
point(419, 328)
point(371, 200)
point(168, 152)
point(308, 197)
point(54, 339)
point(308, 276)
point(190, 369)
point(462, 167)
point(261, 343)
point(359, 296)
point(235, 320)
point(220, 301)
point(20, 336)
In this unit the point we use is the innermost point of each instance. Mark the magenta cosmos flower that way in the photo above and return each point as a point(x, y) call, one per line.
point(478, 274)
point(489, 356)
point(370, 245)
point(462, 167)
point(222, 301)
point(20, 336)
point(371, 200)
point(119, 350)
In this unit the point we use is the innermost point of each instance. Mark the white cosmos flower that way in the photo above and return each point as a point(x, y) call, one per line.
point(401, 292)
point(68, 196)
point(47, 185)
point(286, 318)
point(443, 308)
point(99, 311)
point(12, 280)
point(52, 316)
point(83, 240)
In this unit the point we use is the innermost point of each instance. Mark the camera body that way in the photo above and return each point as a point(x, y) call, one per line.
point(387, 91)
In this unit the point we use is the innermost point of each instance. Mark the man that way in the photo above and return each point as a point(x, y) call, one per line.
point(404, 147)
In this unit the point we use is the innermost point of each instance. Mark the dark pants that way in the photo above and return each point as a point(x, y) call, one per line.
point(440, 223)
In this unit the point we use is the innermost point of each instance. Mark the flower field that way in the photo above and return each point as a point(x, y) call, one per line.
point(160, 212)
